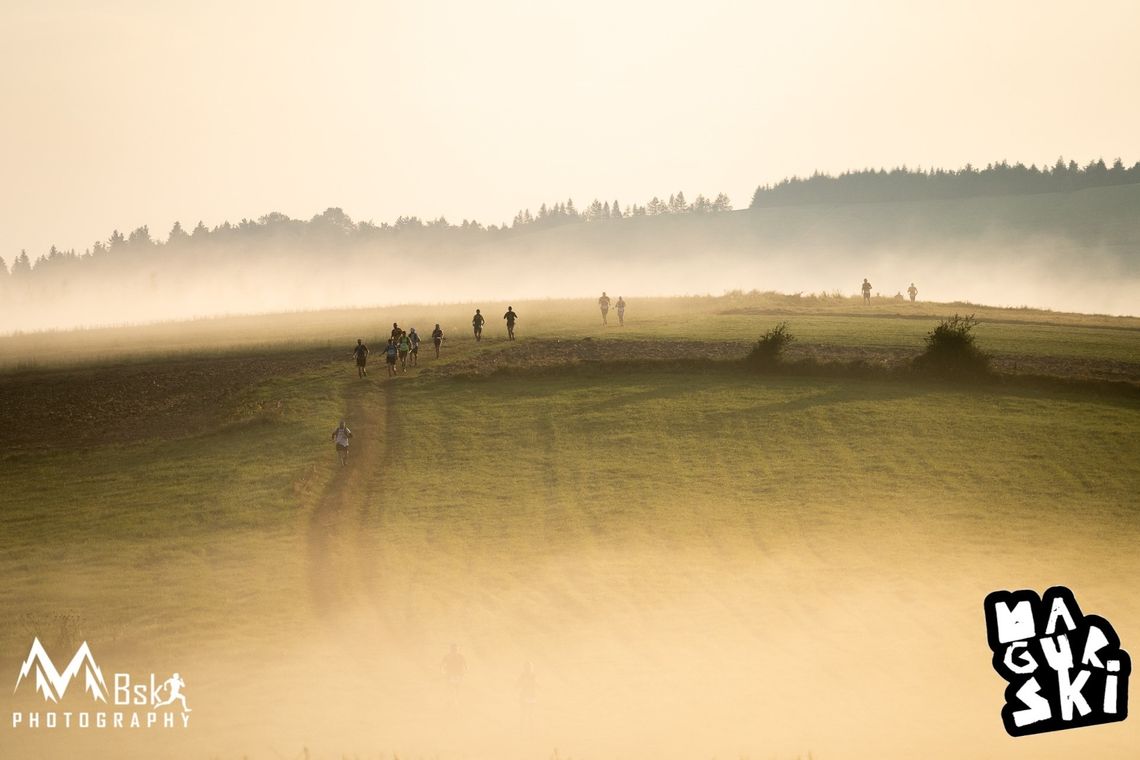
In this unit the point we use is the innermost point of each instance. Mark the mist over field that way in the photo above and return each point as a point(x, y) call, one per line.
point(1076, 251)
point(750, 516)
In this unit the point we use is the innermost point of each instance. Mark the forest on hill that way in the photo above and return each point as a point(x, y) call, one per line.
point(1065, 223)
point(901, 184)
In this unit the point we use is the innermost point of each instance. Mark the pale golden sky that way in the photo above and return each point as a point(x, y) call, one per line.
point(129, 112)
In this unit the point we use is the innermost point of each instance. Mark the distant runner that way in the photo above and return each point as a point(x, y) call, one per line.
point(912, 291)
point(404, 347)
point(477, 323)
point(528, 696)
point(415, 339)
point(395, 331)
point(390, 356)
point(454, 667)
point(620, 305)
point(340, 437)
point(361, 354)
point(604, 305)
point(510, 316)
point(437, 338)
point(866, 291)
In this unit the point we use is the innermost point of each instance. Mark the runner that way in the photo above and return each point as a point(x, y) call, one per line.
point(866, 291)
point(437, 338)
point(454, 667)
point(912, 291)
point(340, 436)
point(621, 311)
point(390, 356)
point(404, 347)
point(510, 316)
point(361, 354)
point(477, 323)
point(528, 696)
point(415, 339)
point(395, 331)
point(604, 305)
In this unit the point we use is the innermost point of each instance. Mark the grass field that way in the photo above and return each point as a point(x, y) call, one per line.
point(697, 560)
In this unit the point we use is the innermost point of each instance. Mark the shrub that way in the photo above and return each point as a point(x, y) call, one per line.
point(766, 351)
point(950, 349)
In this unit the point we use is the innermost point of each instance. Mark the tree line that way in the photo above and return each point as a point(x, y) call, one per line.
point(901, 184)
point(334, 229)
point(278, 234)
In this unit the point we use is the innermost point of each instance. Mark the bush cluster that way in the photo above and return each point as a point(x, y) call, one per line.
point(950, 349)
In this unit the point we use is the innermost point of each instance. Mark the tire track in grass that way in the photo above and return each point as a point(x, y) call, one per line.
point(335, 525)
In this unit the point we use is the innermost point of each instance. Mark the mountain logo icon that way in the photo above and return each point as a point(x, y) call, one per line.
point(53, 684)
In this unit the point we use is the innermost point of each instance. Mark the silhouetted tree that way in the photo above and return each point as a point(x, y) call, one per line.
point(22, 266)
point(140, 238)
point(177, 235)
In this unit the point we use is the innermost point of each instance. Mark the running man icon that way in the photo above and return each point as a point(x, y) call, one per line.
point(175, 684)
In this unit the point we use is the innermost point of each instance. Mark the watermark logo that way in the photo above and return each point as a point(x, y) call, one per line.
point(150, 702)
point(53, 684)
point(1065, 669)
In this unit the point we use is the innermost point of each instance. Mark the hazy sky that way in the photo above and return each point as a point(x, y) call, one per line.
point(128, 112)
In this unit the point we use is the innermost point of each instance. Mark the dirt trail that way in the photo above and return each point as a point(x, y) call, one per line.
point(335, 551)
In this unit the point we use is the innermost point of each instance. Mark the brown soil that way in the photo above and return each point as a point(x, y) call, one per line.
point(118, 404)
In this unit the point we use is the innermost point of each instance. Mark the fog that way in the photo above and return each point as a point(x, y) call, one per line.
point(634, 258)
point(813, 647)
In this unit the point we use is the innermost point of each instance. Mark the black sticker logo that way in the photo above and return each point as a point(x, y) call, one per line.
point(1065, 669)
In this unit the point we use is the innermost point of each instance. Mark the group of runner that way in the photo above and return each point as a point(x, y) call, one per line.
point(403, 350)
point(912, 291)
point(479, 320)
point(403, 347)
point(604, 305)
point(454, 667)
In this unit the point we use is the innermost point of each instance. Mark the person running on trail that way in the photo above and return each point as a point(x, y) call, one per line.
point(620, 306)
point(912, 291)
point(437, 338)
point(404, 347)
point(395, 335)
point(510, 316)
point(454, 667)
point(361, 354)
point(528, 696)
point(390, 356)
point(866, 291)
point(340, 437)
point(477, 323)
point(604, 305)
point(415, 339)
point(175, 684)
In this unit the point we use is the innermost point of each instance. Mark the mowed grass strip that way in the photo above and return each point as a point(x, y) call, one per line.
point(514, 475)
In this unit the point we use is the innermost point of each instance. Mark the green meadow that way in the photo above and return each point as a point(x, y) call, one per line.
point(756, 565)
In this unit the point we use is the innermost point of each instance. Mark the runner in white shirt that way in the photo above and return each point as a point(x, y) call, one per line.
point(340, 436)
